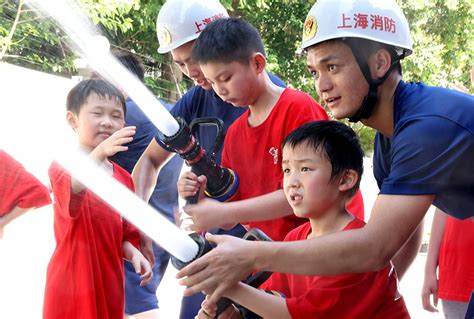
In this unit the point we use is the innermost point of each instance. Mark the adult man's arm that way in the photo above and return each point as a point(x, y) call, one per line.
point(393, 220)
point(405, 256)
point(146, 170)
point(145, 174)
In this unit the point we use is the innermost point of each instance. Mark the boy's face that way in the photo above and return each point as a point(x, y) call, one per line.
point(182, 57)
point(337, 77)
point(234, 82)
point(98, 118)
point(307, 182)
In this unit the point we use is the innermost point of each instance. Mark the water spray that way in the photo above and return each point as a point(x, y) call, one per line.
point(85, 39)
point(130, 206)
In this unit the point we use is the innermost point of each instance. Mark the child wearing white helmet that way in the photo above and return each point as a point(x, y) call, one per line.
point(423, 153)
point(178, 25)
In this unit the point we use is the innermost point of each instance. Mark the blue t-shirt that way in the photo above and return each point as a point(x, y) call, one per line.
point(165, 194)
point(431, 151)
point(198, 103)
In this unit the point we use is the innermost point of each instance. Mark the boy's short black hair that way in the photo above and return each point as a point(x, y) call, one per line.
point(79, 94)
point(227, 40)
point(336, 140)
point(132, 62)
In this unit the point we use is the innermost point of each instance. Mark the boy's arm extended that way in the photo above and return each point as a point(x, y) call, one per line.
point(259, 302)
point(209, 214)
point(394, 218)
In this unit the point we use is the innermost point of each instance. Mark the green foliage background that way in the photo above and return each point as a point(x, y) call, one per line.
point(442, 32)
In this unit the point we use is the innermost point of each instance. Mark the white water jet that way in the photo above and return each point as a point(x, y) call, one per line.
point(85, 39)
point(131, 207)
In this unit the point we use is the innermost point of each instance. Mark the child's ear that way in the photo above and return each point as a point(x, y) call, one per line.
point(348, 179)
point(71, 119)
point(259, 61)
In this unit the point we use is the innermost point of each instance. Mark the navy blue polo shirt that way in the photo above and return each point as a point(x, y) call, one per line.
point(431, 151)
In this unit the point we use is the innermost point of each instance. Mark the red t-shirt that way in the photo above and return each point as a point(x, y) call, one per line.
point(365, 295)
point(85, 275)
point(356, 206)
point(18, 187)
point(254, 153)
point(456, 260)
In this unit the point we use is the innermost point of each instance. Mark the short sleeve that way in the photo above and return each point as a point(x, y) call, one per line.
point(426, 153)
point(68, 204)
point(18, 187)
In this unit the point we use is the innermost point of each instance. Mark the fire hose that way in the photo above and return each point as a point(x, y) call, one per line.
point(222, 183)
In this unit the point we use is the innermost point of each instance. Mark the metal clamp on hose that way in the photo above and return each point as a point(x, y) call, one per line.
point(222, 183)
point(203, 248)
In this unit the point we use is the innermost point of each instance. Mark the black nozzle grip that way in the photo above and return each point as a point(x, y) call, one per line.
point(222, 305)
point(190, 200)
point(254, 280)
point(203, 247)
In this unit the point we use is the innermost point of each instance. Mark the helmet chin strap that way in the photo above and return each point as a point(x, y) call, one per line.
point(367, 106)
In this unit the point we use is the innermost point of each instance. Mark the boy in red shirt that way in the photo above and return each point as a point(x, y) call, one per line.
point(85, 276)
point(19, 191)
point(322, 165)
point(449, 271)
point(232, 58)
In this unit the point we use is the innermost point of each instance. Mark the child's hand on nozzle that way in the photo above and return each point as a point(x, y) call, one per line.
point(230, 313)
point(114, 143)
point(183, 220)
point(208, 310)
point(208, 214)
point(189, 184)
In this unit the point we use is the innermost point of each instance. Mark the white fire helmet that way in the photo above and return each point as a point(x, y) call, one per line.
point(377, 20)
point(181, 21)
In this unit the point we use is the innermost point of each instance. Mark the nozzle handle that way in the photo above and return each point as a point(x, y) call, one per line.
point(192, 199)
point(220, 132)
point(254, 280)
